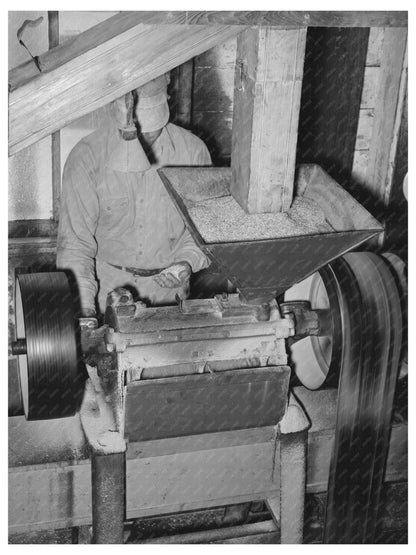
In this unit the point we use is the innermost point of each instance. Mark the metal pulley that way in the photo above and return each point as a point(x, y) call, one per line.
point(46, 346)
point(317, 357)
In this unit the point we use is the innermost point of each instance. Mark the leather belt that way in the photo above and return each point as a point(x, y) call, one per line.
point(142, 272)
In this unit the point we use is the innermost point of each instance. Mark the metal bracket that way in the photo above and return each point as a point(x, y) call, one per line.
point(307, 321)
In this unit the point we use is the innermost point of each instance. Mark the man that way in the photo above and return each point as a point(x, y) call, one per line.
point(118, 226)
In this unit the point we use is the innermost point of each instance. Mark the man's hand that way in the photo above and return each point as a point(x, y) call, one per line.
point(88, 313)
point(174, 276)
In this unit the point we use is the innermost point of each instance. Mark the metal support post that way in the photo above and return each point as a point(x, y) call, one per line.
point(108, 477)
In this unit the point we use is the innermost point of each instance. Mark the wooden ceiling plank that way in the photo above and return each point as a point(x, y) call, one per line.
point(54, 99)
point(87, 40)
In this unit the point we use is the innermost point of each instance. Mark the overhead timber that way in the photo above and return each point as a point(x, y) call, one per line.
point(279, 19)
point(70, 61)
point(104, 69)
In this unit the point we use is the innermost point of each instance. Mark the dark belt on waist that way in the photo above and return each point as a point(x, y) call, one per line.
point(142, 272)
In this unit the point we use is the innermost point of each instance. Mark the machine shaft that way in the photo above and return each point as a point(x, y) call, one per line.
point(19, 347)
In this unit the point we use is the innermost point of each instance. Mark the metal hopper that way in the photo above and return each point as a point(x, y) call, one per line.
point(262, 268)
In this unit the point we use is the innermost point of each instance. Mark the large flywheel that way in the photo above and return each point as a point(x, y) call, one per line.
point(46, 345)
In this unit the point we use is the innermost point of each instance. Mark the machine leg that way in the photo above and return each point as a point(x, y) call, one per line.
point(108, 476)
point(293, 483)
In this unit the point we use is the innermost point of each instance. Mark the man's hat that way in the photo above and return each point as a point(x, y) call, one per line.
point(152, 110)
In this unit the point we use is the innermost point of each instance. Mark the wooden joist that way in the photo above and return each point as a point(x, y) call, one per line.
point(82, 43)
point(294, 19)
point(276, 19)
point(126, 20)
point(267, 92)
point(102, 73)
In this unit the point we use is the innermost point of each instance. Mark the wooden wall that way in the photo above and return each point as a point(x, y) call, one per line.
point(212, 99)
point(30, 171)
point(368, 101)
point(381, 151)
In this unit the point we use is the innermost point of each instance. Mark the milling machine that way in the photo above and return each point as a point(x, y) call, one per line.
point(189, 406)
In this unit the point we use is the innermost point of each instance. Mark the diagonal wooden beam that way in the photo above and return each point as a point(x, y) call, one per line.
point(114, 66)
point(89, 39)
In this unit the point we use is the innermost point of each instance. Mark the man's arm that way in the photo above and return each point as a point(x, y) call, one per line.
point(186, 249)
point(187, 256)
point(76, 246)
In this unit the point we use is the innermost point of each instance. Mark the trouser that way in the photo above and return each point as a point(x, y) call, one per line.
point(143, 288)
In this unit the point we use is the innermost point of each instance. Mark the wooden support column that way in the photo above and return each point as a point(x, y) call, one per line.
point(267, 91)
point(53, 36)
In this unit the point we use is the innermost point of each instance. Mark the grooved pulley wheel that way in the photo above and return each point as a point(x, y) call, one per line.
point(316, 359)
point(46, 345)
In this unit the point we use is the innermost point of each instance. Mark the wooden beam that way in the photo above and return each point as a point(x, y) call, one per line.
point(281, 19)
point(267, 91)
point(391, 91)
point(86, 41)
point(277, 19)
point(296, 19)
point(53, 35)
point(53, 99)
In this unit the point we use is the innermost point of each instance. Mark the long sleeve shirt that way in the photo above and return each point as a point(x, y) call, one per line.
point(124, 217)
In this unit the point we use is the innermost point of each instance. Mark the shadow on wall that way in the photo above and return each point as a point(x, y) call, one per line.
point(212, 110)
point(204, 105)
point(331, 95)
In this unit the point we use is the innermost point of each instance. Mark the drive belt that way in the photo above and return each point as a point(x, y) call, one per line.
point(372, 329)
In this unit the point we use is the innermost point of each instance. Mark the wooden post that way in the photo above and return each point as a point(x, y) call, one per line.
point(267, 91)
point(53, 36)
